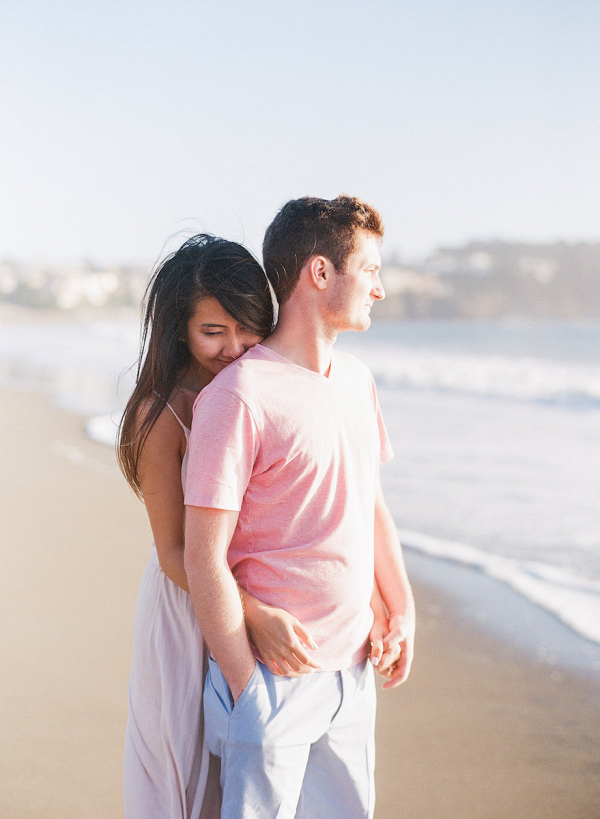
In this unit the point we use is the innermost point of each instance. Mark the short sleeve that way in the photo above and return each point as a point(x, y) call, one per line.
point(222, 450)
point(386, 453)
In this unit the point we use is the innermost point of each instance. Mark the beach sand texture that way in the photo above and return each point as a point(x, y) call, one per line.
point(478, 732)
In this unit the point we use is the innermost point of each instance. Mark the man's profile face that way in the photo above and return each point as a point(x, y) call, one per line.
point(356, 288)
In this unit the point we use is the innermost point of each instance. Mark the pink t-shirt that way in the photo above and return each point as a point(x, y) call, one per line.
point(297, 454)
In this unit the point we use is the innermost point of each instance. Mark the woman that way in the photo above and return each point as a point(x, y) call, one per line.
point(206, 304)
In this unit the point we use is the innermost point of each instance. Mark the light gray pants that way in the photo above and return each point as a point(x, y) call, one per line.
point(294, 748)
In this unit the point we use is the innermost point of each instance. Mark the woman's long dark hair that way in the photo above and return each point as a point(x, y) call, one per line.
point(203, 266)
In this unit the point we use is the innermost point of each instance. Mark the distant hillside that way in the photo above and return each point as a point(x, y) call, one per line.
point(482, 280)
point(491, 280)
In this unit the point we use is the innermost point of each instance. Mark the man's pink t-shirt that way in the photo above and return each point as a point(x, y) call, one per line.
point(297, 454)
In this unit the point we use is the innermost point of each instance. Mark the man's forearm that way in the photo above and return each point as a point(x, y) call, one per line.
point(395, 590)
point(215, 594)
point(390, 571)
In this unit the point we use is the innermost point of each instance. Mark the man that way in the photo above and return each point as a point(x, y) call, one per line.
point(284, 498)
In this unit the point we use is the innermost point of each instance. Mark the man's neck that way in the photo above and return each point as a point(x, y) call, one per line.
point(303, 342)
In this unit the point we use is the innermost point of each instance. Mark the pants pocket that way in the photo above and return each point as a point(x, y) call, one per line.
point(216, 686)
point(250, 685)
point(219, 707)
point(216, 679)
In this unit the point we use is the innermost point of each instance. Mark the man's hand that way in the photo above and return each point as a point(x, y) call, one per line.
point(399, 646)
point(392, 649)
point(383, 657)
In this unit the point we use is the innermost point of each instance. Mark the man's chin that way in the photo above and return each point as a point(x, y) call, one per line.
point(360, 325)
point(356, 325)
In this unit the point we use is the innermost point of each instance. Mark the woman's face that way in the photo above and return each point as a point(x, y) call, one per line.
point(214, 338)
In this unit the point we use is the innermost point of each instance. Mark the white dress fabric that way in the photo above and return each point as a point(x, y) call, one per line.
point(168, 772)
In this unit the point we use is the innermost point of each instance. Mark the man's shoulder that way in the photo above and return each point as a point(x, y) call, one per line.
point(243, 373)
point(241, 380)
point(351, 365)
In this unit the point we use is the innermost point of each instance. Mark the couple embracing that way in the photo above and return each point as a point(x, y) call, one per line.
point(292, 574)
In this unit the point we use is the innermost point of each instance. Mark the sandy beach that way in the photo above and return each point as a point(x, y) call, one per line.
point(480, 731)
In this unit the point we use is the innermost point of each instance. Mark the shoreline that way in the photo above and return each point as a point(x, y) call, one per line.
point(501, 611)
point(481, 729)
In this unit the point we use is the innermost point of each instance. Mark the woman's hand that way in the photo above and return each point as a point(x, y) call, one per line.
point(392, 648)
point(384, 652)
point(392, 640)
point(281, 640)
point(385, 645)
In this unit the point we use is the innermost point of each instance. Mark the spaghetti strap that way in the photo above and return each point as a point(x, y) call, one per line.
point(183, 426)
point(179, 421)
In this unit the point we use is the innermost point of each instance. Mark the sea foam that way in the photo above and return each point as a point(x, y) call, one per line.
point(574, 600)
point(494, 376)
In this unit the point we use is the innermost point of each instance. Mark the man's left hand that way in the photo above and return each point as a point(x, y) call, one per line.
point(392, 653)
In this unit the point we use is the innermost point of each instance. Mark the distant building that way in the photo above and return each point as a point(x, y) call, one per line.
point(70, 287)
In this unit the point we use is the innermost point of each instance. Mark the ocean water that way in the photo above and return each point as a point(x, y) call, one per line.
point(495, 427)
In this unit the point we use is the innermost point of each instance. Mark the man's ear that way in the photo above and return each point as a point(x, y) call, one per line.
point(320, 270)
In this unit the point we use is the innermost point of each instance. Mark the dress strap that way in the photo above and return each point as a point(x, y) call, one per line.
point(183, 426)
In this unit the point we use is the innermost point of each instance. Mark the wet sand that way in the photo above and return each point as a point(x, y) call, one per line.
point(479, 731)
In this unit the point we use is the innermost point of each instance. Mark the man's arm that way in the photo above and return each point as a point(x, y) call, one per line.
point(395, 590)
point(215, 595)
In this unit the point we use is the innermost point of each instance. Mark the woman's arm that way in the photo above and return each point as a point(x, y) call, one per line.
point(280, 639)
point(160, 479)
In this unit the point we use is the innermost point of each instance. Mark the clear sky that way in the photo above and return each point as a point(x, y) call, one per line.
point(125, 122)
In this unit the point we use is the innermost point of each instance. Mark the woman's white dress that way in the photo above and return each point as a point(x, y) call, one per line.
point(169, 773)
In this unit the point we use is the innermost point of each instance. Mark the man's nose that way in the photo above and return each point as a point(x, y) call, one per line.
point(377, 291)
